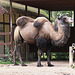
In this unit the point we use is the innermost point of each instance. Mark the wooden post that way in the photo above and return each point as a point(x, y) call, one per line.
point(25, 10)
point(74, 17)
point(70, 56)
point(26, 44)
point(49, 15)
point(74, 56)
point(11, 25)
point(4, 30)
point(38, 12)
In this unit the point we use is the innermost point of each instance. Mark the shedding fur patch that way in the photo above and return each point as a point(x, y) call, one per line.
point(37, 24)
point(41, 43)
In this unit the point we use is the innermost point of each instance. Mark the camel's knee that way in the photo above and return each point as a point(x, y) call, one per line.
point(39, 52)
point(48, 53)
point(14, 49)
point(17, 49)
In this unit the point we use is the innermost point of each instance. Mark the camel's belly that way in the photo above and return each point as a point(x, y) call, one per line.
point(29, 33)
point(28, 37)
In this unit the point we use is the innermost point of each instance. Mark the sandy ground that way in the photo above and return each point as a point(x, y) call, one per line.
point(60, 68)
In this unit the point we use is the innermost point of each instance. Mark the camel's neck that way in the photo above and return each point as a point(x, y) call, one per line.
point(56, 35)
point(60, 37)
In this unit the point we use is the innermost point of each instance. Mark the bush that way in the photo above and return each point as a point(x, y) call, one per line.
point(8, 59)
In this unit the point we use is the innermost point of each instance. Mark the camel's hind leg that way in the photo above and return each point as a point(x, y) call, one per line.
point(18, 53)
point(39, 58)
point(14, 56)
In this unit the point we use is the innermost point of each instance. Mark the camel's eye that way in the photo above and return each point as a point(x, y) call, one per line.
point(58, 18)
point(64, 18)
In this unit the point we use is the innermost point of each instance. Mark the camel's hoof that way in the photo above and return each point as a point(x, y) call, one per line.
point(50, 65)
point(39, 65)
point(24, 65)
point(16, 64)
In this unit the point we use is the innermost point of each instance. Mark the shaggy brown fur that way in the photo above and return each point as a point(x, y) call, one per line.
point(28, 29)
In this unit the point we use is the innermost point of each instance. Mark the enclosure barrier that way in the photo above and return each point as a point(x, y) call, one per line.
point(2, 11)
point(71, 52)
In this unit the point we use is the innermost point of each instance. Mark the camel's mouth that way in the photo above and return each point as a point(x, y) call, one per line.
point(69, 20)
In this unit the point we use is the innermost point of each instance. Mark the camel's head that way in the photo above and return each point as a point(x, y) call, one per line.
point(63, 22)
point(64, 19)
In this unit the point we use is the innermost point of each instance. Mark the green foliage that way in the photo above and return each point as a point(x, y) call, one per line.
point(69, 13)
point(59, 13)
point(44, 56)
point(5, 62)
point(59, 55)
point(9, 55)
point(9, 62)
point(8, 59)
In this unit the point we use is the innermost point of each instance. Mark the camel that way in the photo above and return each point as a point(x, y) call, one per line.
point(41, 32)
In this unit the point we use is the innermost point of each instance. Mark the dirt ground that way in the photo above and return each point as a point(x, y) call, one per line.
point(60, 68)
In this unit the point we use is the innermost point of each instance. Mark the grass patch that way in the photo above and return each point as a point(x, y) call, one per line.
point(5, 62)
point(9, 62)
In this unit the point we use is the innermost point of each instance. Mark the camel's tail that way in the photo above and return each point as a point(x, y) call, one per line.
point(38, 22)
point(21, 21)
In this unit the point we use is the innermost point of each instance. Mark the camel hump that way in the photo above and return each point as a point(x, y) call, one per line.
point(21, 21)
point(38, 22)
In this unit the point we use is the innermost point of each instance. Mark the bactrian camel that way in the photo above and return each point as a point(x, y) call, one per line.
point(43, 33)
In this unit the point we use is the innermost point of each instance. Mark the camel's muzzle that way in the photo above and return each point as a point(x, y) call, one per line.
point(70, 20)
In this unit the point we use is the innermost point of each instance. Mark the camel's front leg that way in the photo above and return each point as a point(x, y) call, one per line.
point(19, 54)
point(48, 58)
point(39, 58)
